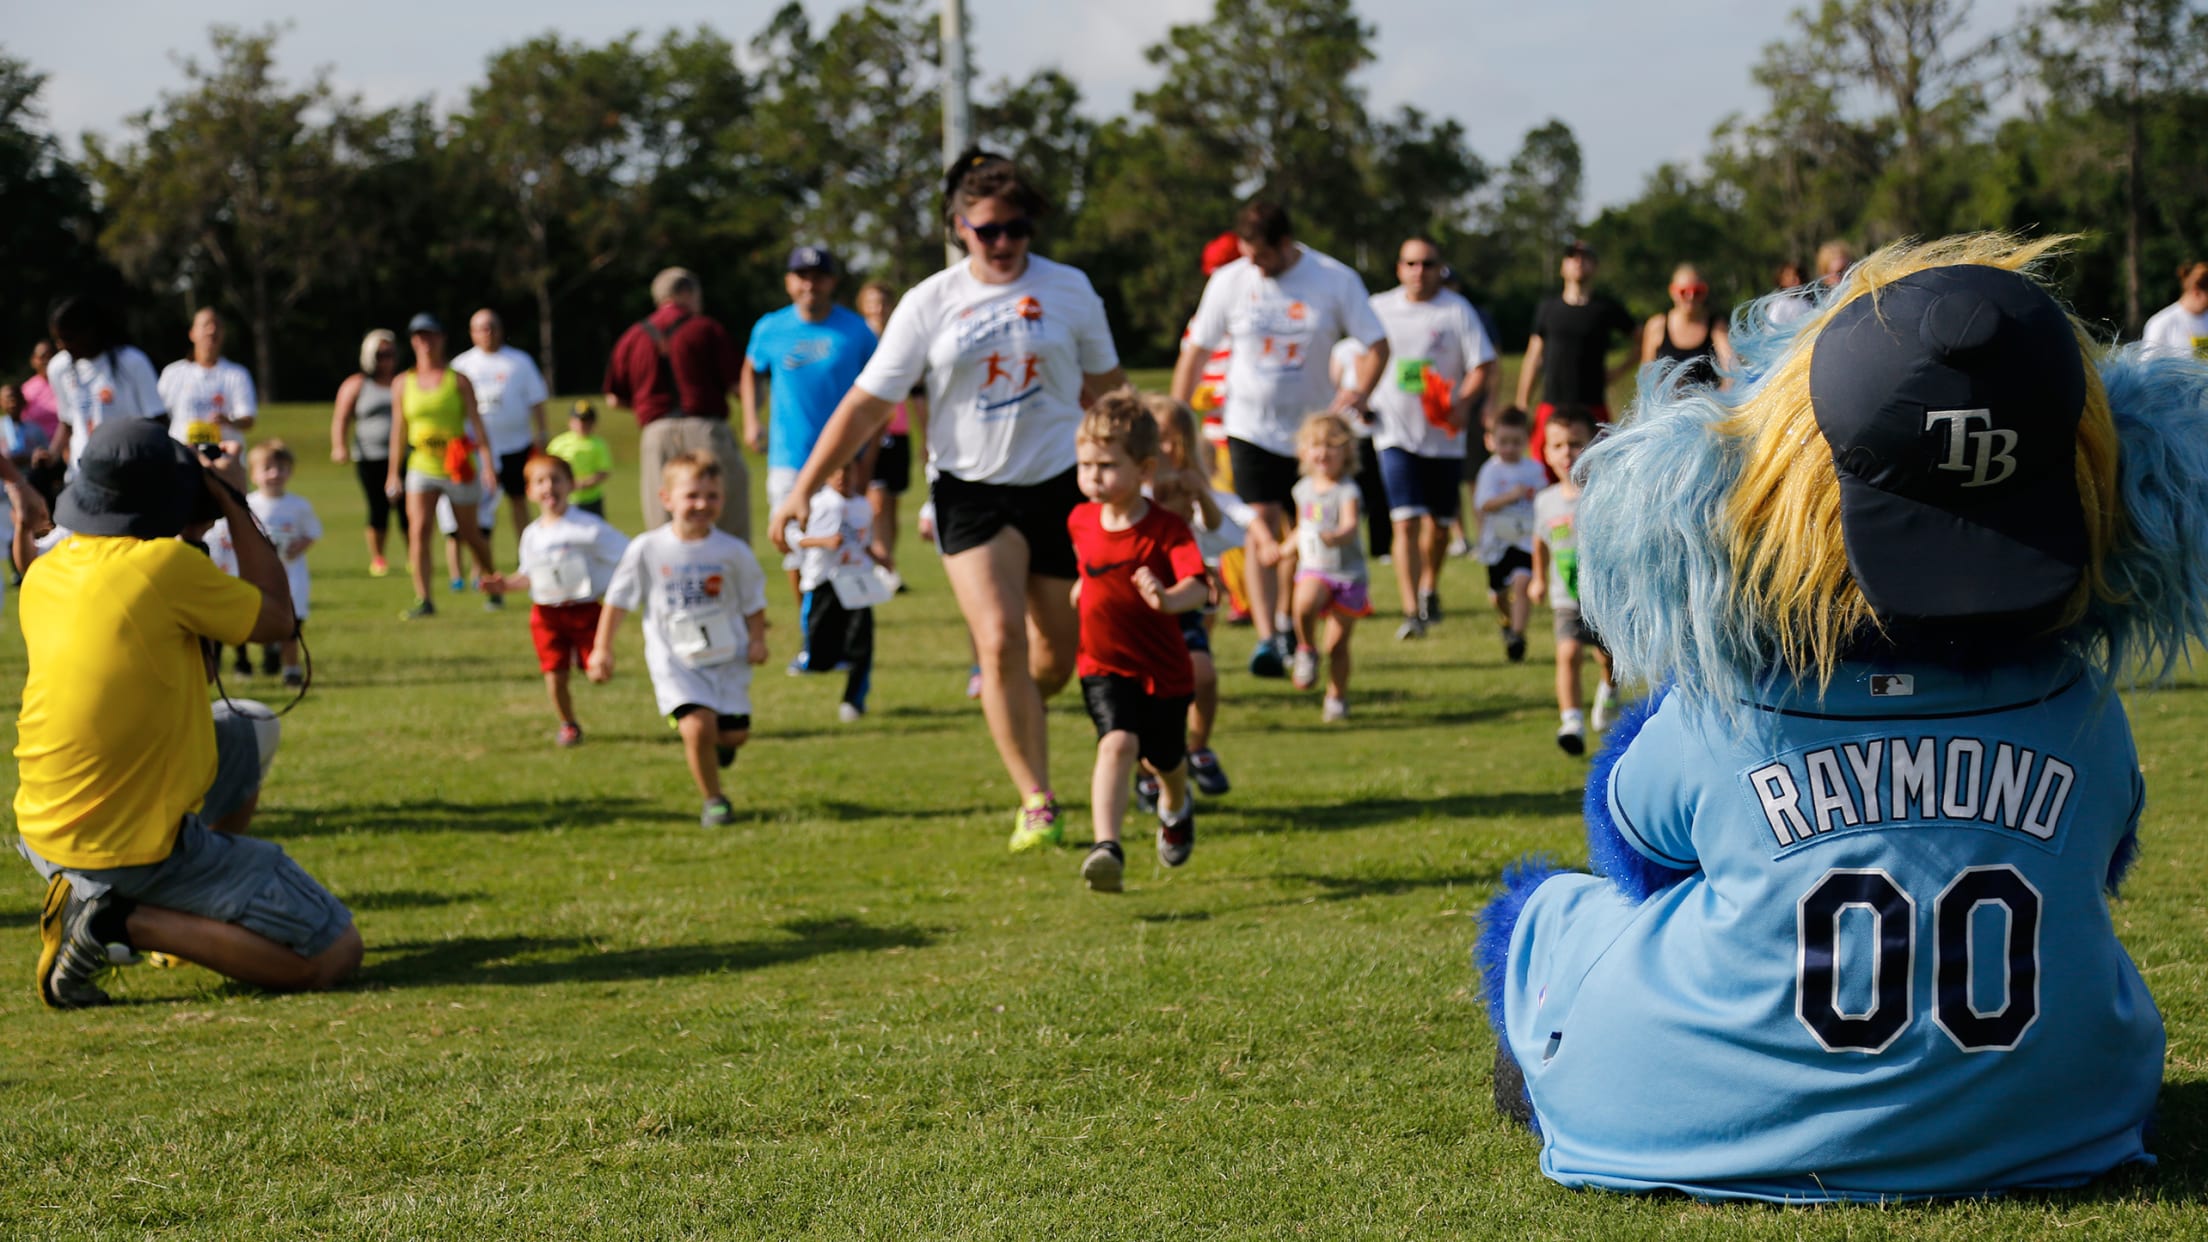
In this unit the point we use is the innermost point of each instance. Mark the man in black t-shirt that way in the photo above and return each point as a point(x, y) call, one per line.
point(1572, 335)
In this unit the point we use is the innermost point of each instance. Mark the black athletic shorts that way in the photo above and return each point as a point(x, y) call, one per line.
point(893, 465)
point(968, 515)
point(513, 479)
point(1262, 477)
point(728, 723)
point(1514, 560)
point(1160, 724)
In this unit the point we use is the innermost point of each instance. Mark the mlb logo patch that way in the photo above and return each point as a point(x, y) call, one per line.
point(1893, 685)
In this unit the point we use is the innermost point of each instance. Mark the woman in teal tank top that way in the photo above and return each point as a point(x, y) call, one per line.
point(436, 435)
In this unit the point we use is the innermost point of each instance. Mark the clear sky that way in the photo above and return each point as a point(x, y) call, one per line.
point(1639, 81)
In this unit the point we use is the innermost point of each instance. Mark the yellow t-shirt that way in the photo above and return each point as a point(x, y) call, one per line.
point(116, 742)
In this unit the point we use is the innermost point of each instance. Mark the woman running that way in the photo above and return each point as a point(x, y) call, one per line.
point(436, 437)
point(360, 433)
point(1688, 333)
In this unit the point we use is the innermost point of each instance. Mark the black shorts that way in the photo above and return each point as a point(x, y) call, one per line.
point(893, 465)
point(727, 722)
point(1515, 560)
point(1193, 634)
point(596, 508)
point(1160, 724)
point(969, 514)
point(1262, 477)
point(513, 477)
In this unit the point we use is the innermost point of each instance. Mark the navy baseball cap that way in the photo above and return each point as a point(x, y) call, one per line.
point(1951, 400)
point(812, 259)
point(424, 322)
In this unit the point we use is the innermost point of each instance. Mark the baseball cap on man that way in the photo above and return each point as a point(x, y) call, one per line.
point(812, 259)
point(132, 480)
point(424, 322)
point(1951, 402)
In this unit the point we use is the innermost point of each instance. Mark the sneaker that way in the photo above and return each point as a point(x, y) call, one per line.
point(379, 568)
point(1036, 823)
point(570, 734)
point(1429, 608)
point(1204, 770)
point(1146, 791)
point(1514, 646)
point(1571, 736)
point(1269, 659)
point(494, 602)
point(1605, 705)
point(1458, 547)
point(717, 814)
point(1412, 627)
point(421, 610)
point(1103, 867)
point(797, 666)
point(69, 956)
point(1334, 709)
point(271, 661)
point(1306, 674)
point(458, 585)
point(973, 682)
point(294, 677)
point(1177, 836)
point(850, 713)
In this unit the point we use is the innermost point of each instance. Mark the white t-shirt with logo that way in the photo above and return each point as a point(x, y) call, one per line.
point(1512, 525)
point(694, 596)
point(197, 394)
point(2178, 333)
point(1004, 365)
point(1279, 331)
point(286, 518)
point(507, 387)
point(570, 559)
point(119, 383)
point(834, 513)
point(1442, 333)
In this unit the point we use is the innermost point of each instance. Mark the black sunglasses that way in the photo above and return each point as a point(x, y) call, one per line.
point(1019, 228)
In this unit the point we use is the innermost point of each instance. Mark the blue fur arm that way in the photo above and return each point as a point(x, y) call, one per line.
point(2127, 850)
point(1491, 952)
point(1609, 854)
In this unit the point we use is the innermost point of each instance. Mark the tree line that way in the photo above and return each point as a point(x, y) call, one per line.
point(572, 171)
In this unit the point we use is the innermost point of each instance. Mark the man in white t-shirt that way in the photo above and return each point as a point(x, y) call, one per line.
point(96, 377)
point(510, 391)
point(2180, 330)
point(208, 389)
point(1280, 308)
point(1440, 364)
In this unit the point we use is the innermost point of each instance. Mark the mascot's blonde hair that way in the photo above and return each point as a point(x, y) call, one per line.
point(1711, 549)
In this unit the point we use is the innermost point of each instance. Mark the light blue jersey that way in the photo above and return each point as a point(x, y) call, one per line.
point(1891, 971)
point(808, 366)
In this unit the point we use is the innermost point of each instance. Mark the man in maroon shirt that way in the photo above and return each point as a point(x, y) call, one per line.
point(676, 369)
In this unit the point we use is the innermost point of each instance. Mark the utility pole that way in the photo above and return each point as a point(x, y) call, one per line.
point(958, 121)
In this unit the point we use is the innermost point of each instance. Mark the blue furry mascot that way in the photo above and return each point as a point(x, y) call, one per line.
point(1848, 936)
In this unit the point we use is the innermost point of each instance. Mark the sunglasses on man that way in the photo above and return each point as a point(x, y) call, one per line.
point(1019, 228)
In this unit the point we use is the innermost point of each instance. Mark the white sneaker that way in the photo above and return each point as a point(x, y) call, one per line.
point(1571, 736)
point(850, 713)
point(1599, 719)
point(1412, 627)
point(1334, 709)
point(1304, 672)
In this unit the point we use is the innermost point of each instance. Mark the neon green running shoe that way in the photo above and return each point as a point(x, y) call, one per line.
point(1037, 823)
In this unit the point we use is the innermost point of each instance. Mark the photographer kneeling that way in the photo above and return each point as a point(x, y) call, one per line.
point(117, 759)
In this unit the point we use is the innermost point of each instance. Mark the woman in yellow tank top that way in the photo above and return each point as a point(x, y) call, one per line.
point(434, 426)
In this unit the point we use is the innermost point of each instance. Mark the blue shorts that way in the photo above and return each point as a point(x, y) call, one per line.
point(1193, 634)
point(223, 876)
point(1420, 486)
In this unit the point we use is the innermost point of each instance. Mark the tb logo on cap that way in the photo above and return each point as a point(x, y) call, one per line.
point(1974, 453)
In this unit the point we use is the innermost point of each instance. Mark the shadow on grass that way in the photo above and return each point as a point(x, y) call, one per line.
point(527, 960)
point(1366, 812)
point(18, 918)
point(408, 899)
point(1350, 888)
point(429, 815)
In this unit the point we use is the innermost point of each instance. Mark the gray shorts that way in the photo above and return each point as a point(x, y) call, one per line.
point(1570, 627)
point(458, 493)
point(221, 876)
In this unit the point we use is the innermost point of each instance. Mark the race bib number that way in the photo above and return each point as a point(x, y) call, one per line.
point(703, 637)
point(863, 586)
point(1410, 374)
point(565, 578)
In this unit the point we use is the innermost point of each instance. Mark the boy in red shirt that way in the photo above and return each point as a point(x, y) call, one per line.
point(1139, 567)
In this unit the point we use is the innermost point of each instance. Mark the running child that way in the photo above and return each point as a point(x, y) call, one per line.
point(1502, 495)
point(836, 584)
point(1139, 567)
point(1330, 562)
point(1182, 487)
point(1570, 429)
point(704, 600)
point(588, 455)
point(293, 528)
point(568, 557)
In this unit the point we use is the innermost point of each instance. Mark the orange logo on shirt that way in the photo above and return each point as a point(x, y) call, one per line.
point(713, 586)
point(1029, 308)
point(106, 396)
point(996, 370)
point(1032, 372)
point(217, 401)
point(1297, 310)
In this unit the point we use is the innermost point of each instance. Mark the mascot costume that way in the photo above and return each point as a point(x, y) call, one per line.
point(1848, 935)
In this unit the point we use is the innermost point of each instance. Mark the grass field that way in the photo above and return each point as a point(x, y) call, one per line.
point(852, 1014)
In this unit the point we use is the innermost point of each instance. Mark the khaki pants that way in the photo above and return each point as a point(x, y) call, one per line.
point(672, 437)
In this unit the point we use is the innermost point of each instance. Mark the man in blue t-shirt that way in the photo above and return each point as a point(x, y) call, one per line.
point(805, 355)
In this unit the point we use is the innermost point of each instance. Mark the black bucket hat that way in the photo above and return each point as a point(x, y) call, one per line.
point(1951, 402)
point(132, 480)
